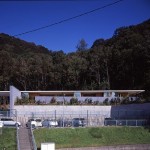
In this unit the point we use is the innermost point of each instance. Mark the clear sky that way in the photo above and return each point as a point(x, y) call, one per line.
point(21, 16)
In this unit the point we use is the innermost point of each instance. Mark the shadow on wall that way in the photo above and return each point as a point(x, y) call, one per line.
point(131, 111)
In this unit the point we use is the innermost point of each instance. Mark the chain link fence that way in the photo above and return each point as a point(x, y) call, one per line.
point(109, 122)
point(9, 114)
point(91, 118)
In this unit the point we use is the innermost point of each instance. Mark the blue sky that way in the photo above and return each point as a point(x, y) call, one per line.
point(21, 16)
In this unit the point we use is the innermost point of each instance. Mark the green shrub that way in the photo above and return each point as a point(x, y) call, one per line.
point(95, 133)
point(106, 101)
point(88, 100)
point(53, 100)
point(73, 101)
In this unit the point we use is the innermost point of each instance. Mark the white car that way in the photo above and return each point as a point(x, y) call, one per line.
point(10, 122)
point(38, 122)
point(34, 123)
point(31, 123)
point(49, 123)
point(1, 124)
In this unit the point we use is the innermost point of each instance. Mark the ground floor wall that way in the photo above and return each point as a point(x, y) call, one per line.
point(79, 109)
point(70, 109)
point(124, 112)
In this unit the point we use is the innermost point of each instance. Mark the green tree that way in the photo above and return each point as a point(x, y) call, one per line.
point(82, 45)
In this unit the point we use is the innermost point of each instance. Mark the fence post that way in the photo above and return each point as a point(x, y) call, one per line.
point(87, 117)
point(97, 122)
point(16, 115)
point(55, 115)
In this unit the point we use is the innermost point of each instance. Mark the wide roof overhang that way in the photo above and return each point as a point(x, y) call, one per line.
point(7, 93)
point(4, 93)
point(86, 91)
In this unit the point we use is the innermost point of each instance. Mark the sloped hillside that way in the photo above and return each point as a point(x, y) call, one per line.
point(121, 62)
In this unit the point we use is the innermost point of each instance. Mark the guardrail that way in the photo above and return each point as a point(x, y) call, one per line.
point(121, 122)
point(17, 138)
point(33, 139)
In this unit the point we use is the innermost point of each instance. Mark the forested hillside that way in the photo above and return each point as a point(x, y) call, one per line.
point(121, 62)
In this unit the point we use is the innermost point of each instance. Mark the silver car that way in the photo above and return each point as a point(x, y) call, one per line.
point(49, 123)
point(79, 122)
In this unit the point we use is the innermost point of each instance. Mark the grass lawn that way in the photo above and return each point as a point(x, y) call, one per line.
point(8, 139)
point(89, 137)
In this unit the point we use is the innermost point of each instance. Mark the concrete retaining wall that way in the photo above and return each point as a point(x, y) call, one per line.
point(26, 109)
point(104, 110)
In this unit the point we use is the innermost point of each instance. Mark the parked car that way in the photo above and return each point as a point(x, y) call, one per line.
point(78, 122)
point(31, 123)
point(34, 123)
point(38, 122)
point(49, 123)
point(10, 122)
point(64, 123)
point(1, 124)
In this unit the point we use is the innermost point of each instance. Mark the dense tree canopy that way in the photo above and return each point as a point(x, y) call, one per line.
point(121, 62)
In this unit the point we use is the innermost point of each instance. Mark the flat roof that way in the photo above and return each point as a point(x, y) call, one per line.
point(7, 93)
point(87, 91)
point(4, 93)
point(90, 91)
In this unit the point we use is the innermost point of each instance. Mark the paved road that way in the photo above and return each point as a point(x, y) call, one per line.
point(25, 139)
point(119, 147)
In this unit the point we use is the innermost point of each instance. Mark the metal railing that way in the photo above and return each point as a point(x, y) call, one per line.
point(33, 139)
point(17, 138)
point(135, 123)
point(92, 118)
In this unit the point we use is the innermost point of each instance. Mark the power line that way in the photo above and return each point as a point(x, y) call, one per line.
point(74, 17)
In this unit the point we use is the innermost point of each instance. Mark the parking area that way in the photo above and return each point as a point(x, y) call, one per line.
point(69, 119)
point(97, 121)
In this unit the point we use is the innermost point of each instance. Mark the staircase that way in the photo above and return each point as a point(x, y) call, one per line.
point(25, 140)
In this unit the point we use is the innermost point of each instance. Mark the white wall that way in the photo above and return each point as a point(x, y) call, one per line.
point(14, 94)
point(107, 111)
point(27, 110)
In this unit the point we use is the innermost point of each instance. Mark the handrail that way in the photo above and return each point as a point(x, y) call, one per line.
point(33, 139)
point(17, 138)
